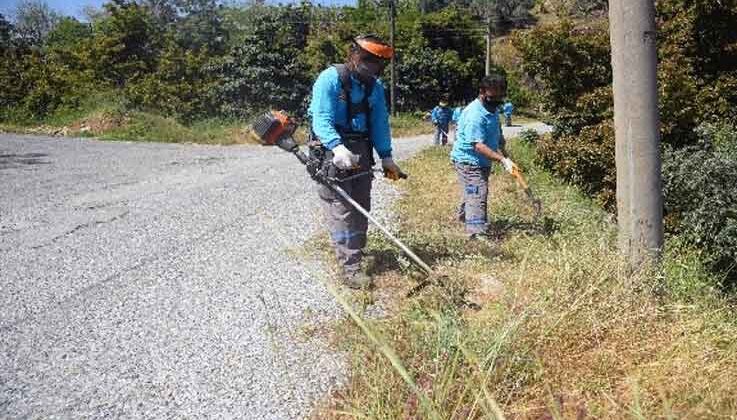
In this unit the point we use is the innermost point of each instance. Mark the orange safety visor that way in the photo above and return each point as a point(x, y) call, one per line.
point(379, 50)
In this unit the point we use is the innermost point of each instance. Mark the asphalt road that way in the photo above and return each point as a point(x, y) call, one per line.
point(142, 280)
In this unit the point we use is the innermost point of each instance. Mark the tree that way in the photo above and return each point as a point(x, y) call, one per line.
point(199, 25)
point(565, 61)
point(266, 71)
point(125, 45)
point(576, 8)
point(6, 32)
point(179, 87)
point(163, 11)
point(11, 69)
point(452, 29)
point(67, 34)
point(34, 20)
point(427, 75)
point(503, 15)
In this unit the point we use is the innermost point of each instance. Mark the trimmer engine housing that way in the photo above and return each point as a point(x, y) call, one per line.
point(276, 128)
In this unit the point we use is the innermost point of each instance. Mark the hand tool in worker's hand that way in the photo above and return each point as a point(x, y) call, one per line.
point(522, 182)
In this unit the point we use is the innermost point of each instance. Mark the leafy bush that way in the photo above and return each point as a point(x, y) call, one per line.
point(14, 85)
point(565, 61)
point(125, 46)
point(576, 8)
point(585, 159)
point(267, 70)
point(529, 136)
point(700, 185)
point(181, 86)
point(436, 74)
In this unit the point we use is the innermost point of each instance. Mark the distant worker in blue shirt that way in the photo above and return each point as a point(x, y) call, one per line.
point(440, 117)
point(478, 144)
point(349, 120)
point(508, 109)
point(455, 116)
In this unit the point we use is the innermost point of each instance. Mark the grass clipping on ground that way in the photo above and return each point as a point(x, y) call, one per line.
point(563, 331)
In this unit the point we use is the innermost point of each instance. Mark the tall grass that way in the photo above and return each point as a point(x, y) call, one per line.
point(564, 331)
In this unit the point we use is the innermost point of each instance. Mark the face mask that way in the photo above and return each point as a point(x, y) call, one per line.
point(364, 73)
point(491, 103)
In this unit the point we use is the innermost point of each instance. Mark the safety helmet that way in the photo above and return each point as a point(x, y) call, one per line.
point(374, 45)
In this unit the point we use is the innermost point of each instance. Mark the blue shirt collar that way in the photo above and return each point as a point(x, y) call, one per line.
point(485, 112)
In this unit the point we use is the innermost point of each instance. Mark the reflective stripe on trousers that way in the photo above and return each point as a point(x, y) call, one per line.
point(474, 182)
point(347, 226)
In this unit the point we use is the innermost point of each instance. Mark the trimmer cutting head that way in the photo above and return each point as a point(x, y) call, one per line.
point(275, 128)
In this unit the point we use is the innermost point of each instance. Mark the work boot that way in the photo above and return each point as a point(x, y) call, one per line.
point(357, 280)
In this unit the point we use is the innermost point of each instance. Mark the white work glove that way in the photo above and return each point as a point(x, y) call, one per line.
point(508, 164)
point(343, 158)
point(391, 169)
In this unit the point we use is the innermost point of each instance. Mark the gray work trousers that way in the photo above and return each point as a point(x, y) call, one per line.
point(474, 181)
point(441, 134)
point(347, 226)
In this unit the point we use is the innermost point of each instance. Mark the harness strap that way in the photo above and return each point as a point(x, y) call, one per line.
point(354, 109)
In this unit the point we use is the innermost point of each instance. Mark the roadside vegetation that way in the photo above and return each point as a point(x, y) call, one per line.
point(108, 120)
point(197, 70)
point(563, 330)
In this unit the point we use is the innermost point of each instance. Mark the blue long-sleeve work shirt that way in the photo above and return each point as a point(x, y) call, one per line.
point(329, 111)
point(441, 115)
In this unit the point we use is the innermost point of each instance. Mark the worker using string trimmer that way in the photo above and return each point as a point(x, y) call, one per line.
point(479, 143)
point(349, 119)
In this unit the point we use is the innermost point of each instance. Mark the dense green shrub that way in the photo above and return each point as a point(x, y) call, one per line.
point(439, 58)
point(181, 86)
point(11, 70)
point(529, 136)
point(437, 74)
point(585, 159)
point(125, 45)
point(267, 70)
point(565, 61)
point(201, 59)
point(700, 185)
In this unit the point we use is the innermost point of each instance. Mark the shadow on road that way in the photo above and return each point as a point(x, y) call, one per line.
point(13, 160)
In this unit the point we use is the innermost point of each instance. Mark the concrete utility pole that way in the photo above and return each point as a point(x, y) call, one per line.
point(636, 125)
point(392, 29)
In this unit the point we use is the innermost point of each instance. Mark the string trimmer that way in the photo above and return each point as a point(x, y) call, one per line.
point(276, 128)
point(536, 203)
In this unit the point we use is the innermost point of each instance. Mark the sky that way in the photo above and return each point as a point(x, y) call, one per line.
point(65, 7)
point(75, 7)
